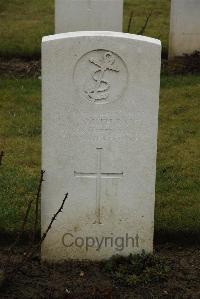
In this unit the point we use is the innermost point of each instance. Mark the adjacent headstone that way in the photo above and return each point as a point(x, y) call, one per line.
point(185, 27)
point(100, 118)
point(80, 15)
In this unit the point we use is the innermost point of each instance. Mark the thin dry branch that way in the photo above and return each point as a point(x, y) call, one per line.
point(130, 22)
point(53, 219)
point(142, 30)
point(19, 235)
point(37, 204)
point(33, 249)
point(1, 157)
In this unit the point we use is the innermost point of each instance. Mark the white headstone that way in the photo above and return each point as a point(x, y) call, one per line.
point(80, 15)
point(100, 114)
point(185, 27)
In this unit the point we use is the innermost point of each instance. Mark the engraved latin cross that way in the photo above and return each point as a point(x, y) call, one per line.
point(98, 175)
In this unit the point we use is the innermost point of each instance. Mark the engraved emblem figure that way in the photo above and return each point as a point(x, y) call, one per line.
point(100, 91)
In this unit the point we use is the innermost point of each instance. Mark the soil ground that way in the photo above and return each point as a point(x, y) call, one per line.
point(87, 280)
point(32, 68)
point(20, 68)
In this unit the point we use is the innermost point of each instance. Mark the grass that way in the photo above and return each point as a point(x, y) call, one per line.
point(24, 22)
point(158, 25)
point(177, 187)
point(20, 140)
point(22, 25)
point(178, 165)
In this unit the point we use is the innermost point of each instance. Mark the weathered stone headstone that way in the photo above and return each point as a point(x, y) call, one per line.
point(185, 27)
point(80, 15)
point(100, 114)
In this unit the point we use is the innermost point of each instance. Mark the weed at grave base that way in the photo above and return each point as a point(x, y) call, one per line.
point(138, 269)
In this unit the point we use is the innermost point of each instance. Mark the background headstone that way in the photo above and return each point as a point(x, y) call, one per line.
point(100, 114)
point(80, 15)
point(185, 27)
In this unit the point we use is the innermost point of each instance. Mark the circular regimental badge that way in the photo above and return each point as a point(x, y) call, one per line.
point(101, 76)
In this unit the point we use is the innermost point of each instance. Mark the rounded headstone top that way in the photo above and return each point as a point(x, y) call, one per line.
point(103, 34)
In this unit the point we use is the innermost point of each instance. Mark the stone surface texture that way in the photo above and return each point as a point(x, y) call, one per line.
point(80, 15)
point(100, 119)
point(185, 27)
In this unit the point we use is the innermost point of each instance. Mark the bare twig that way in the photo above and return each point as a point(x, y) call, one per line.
point(142, 30)
point(33, 249)
point(37, 204)
point(53, 219)
point(31, 253)
point(19, 235)
point(1, 157)
point(130, 22)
